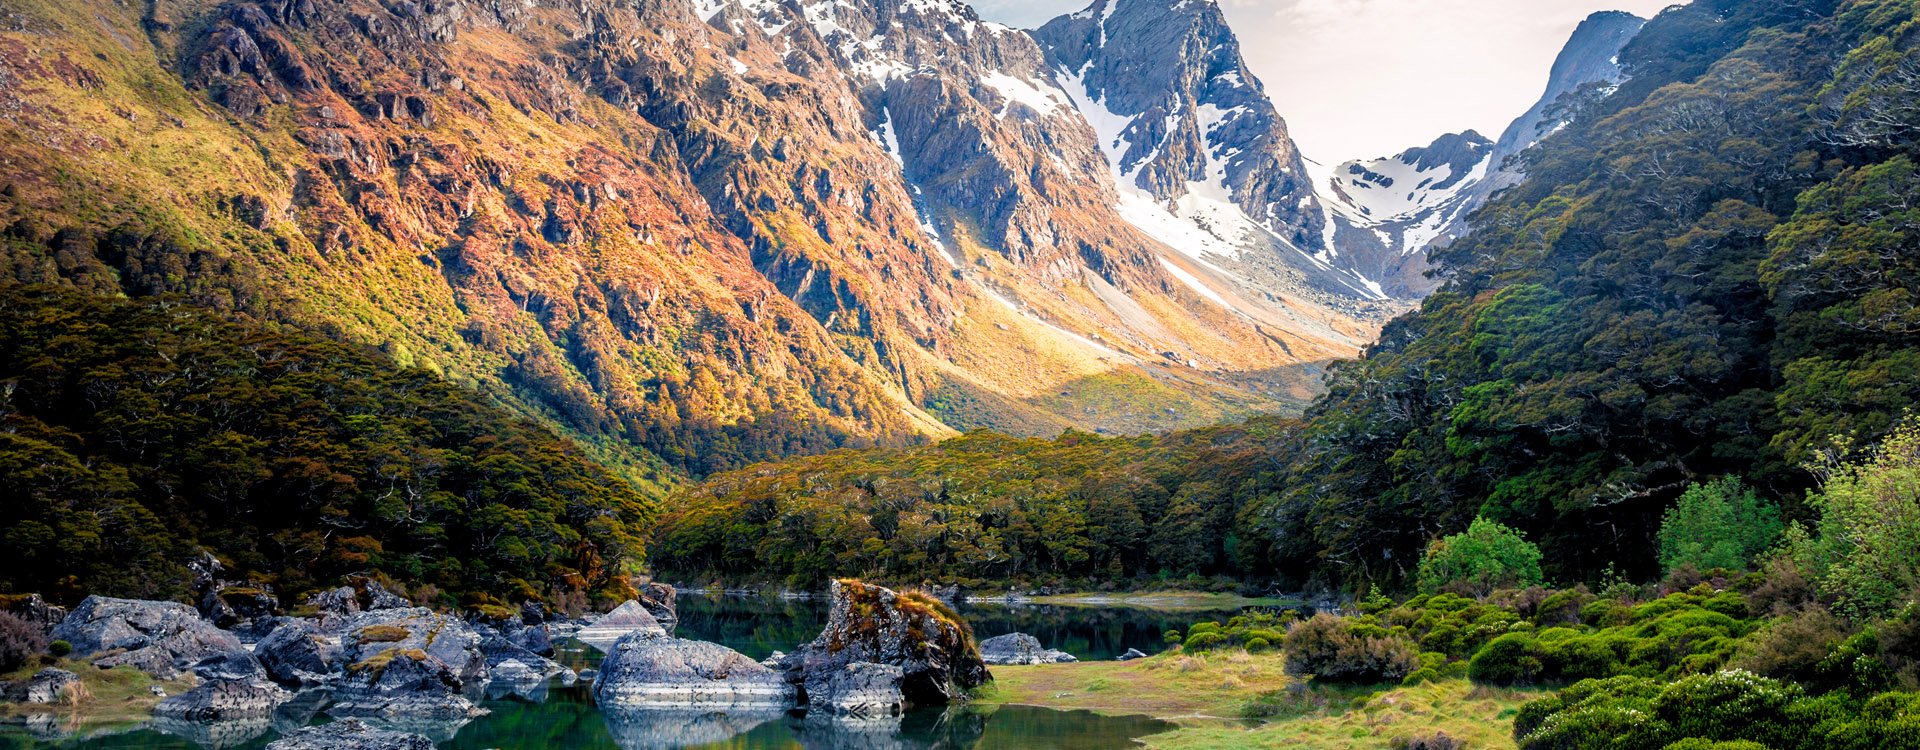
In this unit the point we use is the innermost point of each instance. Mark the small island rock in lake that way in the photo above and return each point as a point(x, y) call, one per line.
point(1020, 648)
point(631, 617)
point(650, 669)
point(409, 662)
point(925, 638)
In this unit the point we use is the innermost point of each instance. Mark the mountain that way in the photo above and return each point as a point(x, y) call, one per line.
point(1387, 213)
point(695, 234)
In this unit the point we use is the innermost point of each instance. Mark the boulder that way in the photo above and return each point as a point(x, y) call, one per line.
point(297, 654)
point(225, 700)
point(350, 735)
point(661, 601)
point(646, 669)
point(159, 638)
point(1020, 648)
point(409, 662)
point(46, 687)
point(1130, 655)
point(237, 665)
point(33, 609)
point(631, 617)
point(230, 605)
point(501, 652)
point(861, 689)
point(932, 646)
point(379, 597)
point(338, 602)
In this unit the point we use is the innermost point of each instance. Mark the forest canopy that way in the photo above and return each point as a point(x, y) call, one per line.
point(134, 434)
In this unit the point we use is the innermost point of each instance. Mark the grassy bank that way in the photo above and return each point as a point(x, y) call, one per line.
point(105, 696)
point(1232, 699)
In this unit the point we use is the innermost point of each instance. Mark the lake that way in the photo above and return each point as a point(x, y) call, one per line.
point(555, 716)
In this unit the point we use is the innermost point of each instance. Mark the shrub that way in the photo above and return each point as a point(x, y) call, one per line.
point(1485, 557)
point(1591, 714)
point(1722, 524)
point(1866, 555)
point(1257, 645)
point(1339, 650)
point(1204, 640)
point(20, 642)
point(1511, 659)
point(59, 648)
point(1800, 647)
point(1731, 705)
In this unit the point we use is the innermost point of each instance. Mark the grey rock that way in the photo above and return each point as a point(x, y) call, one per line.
point(501, 650)
point(631, 617)
point(1020, 648)
point(236, 665)
point(298, 654)
point(159, 638)
point(867, 623)
point(46, 687)
point(339, 602)
point(36, 611)
point(651, 670)
point(1130, 655)
point(662, 601)
point(350, 735)
point(409, 662)
point(858, 689)
point(224, 700)
point(379, 597)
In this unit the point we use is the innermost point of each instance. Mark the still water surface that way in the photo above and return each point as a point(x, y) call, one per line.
point(560, 717)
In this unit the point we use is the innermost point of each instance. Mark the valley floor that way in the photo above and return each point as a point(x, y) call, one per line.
point(1233, 699)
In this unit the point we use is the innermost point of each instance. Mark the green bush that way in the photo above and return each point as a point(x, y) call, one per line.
point(1865, 557)
point(1204, 640)
point(1511, 659)
point(1257, 645)
point(1336, 649)
point(1484, 557)
point(59, 648)
point(1722, 524)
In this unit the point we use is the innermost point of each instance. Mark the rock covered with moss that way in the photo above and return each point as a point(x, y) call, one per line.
point(931, 644)
point(409, 662)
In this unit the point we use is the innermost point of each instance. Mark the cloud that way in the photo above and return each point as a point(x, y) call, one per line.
point(1365, 78)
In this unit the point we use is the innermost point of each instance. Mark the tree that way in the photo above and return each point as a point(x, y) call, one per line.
point(1865, 554)
point(1721, 524)
point(1485, 557)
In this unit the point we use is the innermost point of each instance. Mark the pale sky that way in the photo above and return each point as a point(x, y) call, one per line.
point(1369, 78)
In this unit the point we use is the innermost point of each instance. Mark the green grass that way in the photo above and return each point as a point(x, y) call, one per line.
point(1232, 699)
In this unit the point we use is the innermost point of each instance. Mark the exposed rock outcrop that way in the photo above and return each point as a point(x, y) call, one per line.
point(298, 654)
point(1020, 648)
point(662, 601)
point(645, 669)
point(350, 735)
point(34, 609)
point(159, 638)
point(932, 646)
point(46, 687)
point(409, 662)
point(224, 699)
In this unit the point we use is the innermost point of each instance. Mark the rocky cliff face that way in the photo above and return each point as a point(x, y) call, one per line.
point(1386, 213)
point(693, 232)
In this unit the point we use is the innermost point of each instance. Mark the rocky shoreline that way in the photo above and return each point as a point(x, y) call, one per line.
point(392, 674)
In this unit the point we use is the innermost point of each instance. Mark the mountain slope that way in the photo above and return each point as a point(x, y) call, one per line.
point(1388, 213)
point(1679, 289)
point(692, 234)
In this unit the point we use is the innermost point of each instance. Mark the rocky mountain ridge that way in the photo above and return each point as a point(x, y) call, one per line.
point(1388, 212)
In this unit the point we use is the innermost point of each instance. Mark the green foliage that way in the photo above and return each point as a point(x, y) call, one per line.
point(1339, 650)
point(1730, 709)
point(1254, 631)
point(1718, 525)
point(1864, 555)
point(1484, 557)
point(1707, 273)
point(59, 648)
point(136, 433)
point(984, 508)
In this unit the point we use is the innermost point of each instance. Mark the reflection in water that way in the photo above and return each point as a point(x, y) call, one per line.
point(537, 716)
point(759, 625)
